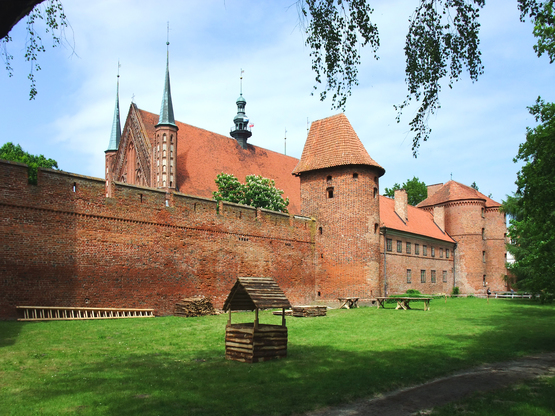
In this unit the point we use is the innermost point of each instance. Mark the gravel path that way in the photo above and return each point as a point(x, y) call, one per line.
point(410, 401)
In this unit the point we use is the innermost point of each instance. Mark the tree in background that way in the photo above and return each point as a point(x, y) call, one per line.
point(257, 192)
point(475, 186)
point(532, 208)
point(15, 153)
point(416, 191)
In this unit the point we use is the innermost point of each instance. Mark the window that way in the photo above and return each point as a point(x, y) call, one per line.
point(483, 212)
point(320, 230)
point(445, 276)
point(417, 249)
point(399, 246)
point(328, 178)
point(446, 253)
point(483, 233)
point(376, 228)
point(330, 192)
point(355, 175)
point(483, 256)
point(484, 283)
point(375, 192)
point(422, 276)
point(409, 276)
point(424, 250)
point(389, 244)
point(433, 251)
point(433, 276)
point(408, 248)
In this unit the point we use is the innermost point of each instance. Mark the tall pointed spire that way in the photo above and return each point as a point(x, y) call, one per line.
point(241, 131)
point(115, 136)
point(166, 110)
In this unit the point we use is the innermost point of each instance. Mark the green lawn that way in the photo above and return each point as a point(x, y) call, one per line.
point(176, 366)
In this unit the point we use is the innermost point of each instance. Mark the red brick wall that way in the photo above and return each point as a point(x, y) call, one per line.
point(348, 245)
point(397, 264)
point(64, 244)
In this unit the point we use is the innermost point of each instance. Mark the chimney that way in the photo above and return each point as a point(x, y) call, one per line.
point(432, 189)
point(401, 204)
point(439, 216)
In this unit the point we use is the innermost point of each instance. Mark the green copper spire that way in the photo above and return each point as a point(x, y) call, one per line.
point(166, 111)
point(241, 131)
point(115, 136)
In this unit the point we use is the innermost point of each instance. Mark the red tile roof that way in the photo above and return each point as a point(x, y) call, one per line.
point(333, 142)
point(418, 222)
point(201, 155)
point(455, 191)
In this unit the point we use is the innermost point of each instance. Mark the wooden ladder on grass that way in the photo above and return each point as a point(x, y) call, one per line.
point(55, 313)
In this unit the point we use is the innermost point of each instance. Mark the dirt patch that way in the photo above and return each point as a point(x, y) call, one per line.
point(438, 392)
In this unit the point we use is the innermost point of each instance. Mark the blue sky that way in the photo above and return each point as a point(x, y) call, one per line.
point(475, 134)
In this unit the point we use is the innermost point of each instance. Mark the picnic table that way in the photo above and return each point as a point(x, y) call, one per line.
point(348, 303)
point(403, 302)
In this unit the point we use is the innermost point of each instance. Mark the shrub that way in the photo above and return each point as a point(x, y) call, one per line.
point(455, 291)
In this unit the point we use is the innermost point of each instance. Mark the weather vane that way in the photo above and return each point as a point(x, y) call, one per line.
point(241, 82)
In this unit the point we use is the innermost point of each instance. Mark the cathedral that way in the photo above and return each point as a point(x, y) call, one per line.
point(365, 244)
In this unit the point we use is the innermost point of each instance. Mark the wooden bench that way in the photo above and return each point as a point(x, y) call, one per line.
point(348, 303)
point(403, 302)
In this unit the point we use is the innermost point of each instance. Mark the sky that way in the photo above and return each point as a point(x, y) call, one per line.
point(475, 133)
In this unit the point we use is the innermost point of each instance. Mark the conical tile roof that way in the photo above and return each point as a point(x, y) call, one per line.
point(455, 191)
point(333, 142)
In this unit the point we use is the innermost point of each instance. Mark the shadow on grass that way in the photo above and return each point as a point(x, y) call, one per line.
point(9, 331)
point(311, 376)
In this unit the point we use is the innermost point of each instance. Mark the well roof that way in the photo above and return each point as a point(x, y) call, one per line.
point(249, 293)
point(333, 142)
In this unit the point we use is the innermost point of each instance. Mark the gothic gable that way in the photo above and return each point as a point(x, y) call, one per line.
point(133, 159)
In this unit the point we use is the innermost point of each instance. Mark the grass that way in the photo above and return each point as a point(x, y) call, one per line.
point(532, 398)
point(176, 366)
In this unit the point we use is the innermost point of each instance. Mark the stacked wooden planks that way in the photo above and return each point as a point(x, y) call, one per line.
point(309, 311)
point(198, 306)
point(245, 343)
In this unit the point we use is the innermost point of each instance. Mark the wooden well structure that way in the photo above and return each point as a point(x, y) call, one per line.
point(254, 342)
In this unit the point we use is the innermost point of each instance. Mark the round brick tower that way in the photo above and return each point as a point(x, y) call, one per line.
point(340, 188)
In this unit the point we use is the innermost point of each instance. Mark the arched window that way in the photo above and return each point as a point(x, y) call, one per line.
point(328, 179)
point(355, 175)
point(330, 192)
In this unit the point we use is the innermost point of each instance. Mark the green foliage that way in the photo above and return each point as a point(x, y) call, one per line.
point(257, 192)
point(532, 208)
point(543, 16)
point(15, 153)
point(335, 31)
point(413, 292)
point(475, 186)
point(56, 22)
point(456, 291)
point(176, 366)
point(416, 191)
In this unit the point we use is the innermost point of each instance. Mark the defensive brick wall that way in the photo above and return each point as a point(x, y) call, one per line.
point(63, 243)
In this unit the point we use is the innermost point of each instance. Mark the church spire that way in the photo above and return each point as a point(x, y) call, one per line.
point(115, 136)
point(241, 131)
point(166, 110)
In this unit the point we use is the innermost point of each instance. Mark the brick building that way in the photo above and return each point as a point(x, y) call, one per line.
point(150, 233)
